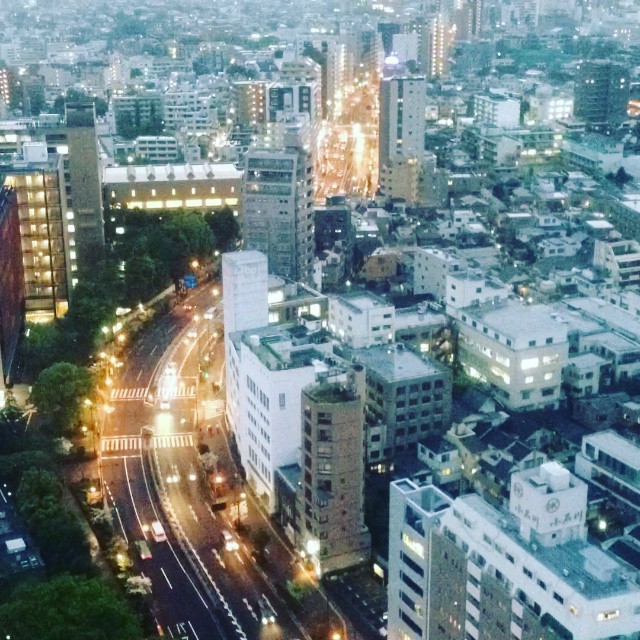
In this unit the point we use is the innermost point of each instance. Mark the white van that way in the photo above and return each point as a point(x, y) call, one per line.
point(157, 531)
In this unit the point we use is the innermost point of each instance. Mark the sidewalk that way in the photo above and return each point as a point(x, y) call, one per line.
point(314, 612)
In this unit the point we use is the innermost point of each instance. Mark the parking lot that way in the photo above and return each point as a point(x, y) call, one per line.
point(363, 601)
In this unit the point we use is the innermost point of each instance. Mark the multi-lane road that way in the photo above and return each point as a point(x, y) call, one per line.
point(138, 466)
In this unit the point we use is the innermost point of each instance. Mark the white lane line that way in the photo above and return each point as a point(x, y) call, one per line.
point(133, 502)
point(165, 577)
point(140, 374)
point(153, 350)
point(173, 551)
point(192, 630)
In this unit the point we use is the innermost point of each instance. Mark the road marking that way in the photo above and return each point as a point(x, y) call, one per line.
point(239, 558)
point(133, 502)
point(192, 629)
point(153, 350)
point(218, 558)
point(213, 408)
point(133, 394)
point(140, 374)
point(128, 443)
point(165, 577)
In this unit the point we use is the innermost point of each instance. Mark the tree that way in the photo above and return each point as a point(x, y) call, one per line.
point(57, 533)
point(621, 177)
point(261, 539)
point(43, 345)
point(209, 462)
point(59, 392)
point(68, 607)
point(75, 96)
point(225, 228)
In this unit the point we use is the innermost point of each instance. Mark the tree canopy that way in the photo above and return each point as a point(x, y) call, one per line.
point(58, 393)
point(68, 607)
point(225, 228)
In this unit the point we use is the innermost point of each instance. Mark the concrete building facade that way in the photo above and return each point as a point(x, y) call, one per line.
point(278, 210)
point(331, 492)
point(462, 569)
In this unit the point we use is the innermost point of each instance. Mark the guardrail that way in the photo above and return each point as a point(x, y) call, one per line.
point(208, 584)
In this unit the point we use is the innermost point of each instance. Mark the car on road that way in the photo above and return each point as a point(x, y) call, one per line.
point(267, 614)
point(230, 543)
point(157, 531)
point(143, 550)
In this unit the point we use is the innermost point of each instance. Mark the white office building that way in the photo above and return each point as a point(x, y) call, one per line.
point(402, 118)
point(518, 349)
point(361, 319)
point(463, 569)
point(496, 109)
point(430, 270)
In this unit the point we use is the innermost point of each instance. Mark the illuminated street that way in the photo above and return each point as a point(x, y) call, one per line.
point(348, 162)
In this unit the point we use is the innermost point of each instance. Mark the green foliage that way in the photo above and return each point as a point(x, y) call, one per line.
point(68, 607)
point(44, 344)
point(55, 530)
point(75, 96)
point(158, 247)
point(131, 125)
point(58, 394)
point(225, 228)
point(620, 177)
point(14, 465)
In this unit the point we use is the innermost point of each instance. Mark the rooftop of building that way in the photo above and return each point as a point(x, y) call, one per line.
point(572, 562)
point(132, 174)
point(286, 346)
point(607, 315)
point(361, 301)
point(514, 319)
point(394, 363)
point(623, 449)
point(330, 393)
point(587, 361)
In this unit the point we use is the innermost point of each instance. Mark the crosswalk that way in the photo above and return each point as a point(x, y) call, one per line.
point(122, 444)
point(213, 408)
point(139, 393)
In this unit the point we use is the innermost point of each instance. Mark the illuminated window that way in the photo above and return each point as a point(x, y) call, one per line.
point(173, 192)
point(71, 228)
point(548, 376)
point(134, 205)
point(414, 545)
point(133, 193)
point(530, 363)
point(153, 192)
point(550, 359)
point(69, 215)
point(174, 204)
point(154, 204)
point(608, 615)
point(72, 255)
point(232, 202)
point(213, 202)
point(213, 190)
point(193, 191)
point(193, 202)
point(528, 380)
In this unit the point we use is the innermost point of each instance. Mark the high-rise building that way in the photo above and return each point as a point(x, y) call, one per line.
point(83, 177)
point(463, 569)
point(331, 488)
point(249, 99)
point(402, 118)
point(48, 235)
point(437, 42)
point(601, 93)
point(5, 85)
point(11, 284)
point(497, 110)
point(278, 209)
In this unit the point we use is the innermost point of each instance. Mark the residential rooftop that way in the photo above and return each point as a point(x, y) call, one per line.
point(394, 363)
point(617, 446)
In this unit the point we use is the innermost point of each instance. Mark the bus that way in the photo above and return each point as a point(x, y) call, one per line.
point(157, 531)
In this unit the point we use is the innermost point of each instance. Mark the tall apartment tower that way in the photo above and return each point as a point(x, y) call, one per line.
point(249, 99)
point(331, 492)
point(83, 176)
point(461, 569)
point(601, 93)
point(48, 235)
point(402, 118)
point(278, 209)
